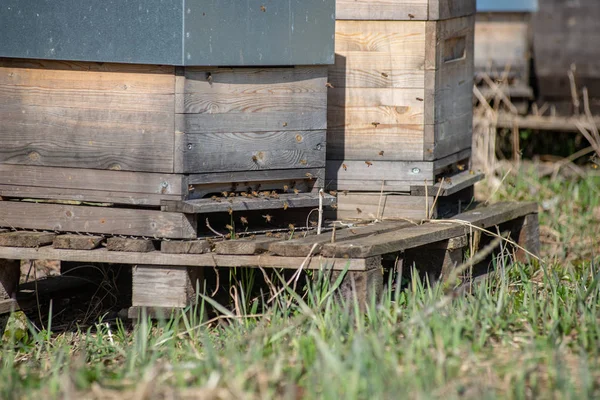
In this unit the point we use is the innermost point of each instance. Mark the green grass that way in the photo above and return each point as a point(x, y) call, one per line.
point(529, 331)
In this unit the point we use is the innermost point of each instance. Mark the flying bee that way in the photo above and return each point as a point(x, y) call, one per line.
point(384, 74)
point(345, 167)
point(285, 124)
point(263, 8)
point(375, 124)
point(267, 217)
point(244, 220)
point(381, 153)
point(291, 227)
point(309, 175)
point(296, 191)
point(461, 167)
point(345, 192)
point(358, 210)
point(229, 227)
point(285, 205)
point(254, 158)
point(334, 206)
point(329, 85)
point(285, 188)
point(369, 163)
point(411, 16)
point(419, 99)
point(333, 192)
point(230, 211)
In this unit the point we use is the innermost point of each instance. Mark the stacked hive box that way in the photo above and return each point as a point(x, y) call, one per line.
point(400, 109)
point(138, 115)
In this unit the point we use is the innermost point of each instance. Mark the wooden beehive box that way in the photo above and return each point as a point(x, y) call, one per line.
point(400, 110)
point(142, 137)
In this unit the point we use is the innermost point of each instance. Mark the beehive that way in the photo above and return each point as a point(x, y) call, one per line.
point(400, 109)
point(160, 112)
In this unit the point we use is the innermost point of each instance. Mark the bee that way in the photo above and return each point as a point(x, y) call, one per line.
point(296, 191)
point(209, 77)
point(375, 124)
point(313, 223)
point(230, 201)
point(381, 153)
point(191, 188)
point(369, 163)
point(309, 175)
point(461, 167)
point(358, 210)
point(471, 172)
point(345, 192)
point(353, 231)
point(244, 194)
point(263, 8)
point(267, 217)
point(232, 194)
point(329, 85)
point(229, 227)
point(419, 99)
point(277, 235)
point(345, 167)
point(333, 192)
point(269, 234)
point(303, 162)
point(225, 194)
point(214, 198)
point(411, 16)
point(274, 195)
point(334, 206)
point(285, 205)
point(285, 188)
point(448, 180)
point(285, 124)
point(254, 158)
point(384, 74)
point(254, 193)
point(230, 211)
point(244, 220)
point(291, 227)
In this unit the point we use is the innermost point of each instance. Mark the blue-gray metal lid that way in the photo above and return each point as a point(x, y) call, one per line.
point(171, 32)
point(507, 5)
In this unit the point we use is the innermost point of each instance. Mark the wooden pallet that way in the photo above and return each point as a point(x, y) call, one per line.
point(172, 271)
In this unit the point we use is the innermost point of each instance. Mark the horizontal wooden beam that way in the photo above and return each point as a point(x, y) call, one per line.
point(546, 123)
point(449, 185)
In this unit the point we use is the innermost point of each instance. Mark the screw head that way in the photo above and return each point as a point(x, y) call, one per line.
point(416, 170)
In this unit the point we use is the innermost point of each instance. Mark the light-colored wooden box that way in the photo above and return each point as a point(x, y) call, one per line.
point(400, 109)
point(136, 135)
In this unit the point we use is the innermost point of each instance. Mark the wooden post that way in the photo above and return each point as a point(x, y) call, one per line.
point(361, 286)
point(437, 260)
point(10, 272)
point(162, 288)
point(528, 238)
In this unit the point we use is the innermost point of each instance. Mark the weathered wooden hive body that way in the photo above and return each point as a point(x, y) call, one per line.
point(400, 110)
point(146, 104)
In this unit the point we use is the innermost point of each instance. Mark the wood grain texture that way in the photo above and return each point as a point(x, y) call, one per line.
point(185, 247)
point(82, 115)
point(163, 286)
point(380, 170)
point(77, 242)
point(301, 247)
point(361, 205)
point(364, 288)
point(196, 260)
point(108, 220)
point(82, 184)
point(220, 152)
point(382, 9)
point(10, 271)
point(223, 100)
point(245, 246)
point(129, 245)
point(26, 239)
point(449, 186)
point(446, 9)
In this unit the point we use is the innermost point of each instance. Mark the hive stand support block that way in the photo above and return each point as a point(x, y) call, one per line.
point(361, 286)
point(10, 272)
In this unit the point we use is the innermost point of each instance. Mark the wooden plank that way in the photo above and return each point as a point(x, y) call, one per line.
point(26, 239)
point(223, 100)
point(77, 242)
point(197, 260)
point(164, 286)
point(382, 9)
point(10, 271)
point(398, 142)
point(302, 247)
point(202, 206)
point(220, 152)
point(247, 177)
point(117, 221)
point(461, 157)
point(446, 9)
point(360, 287)
point(378, 170)
point(118, 118)
point(529, 238)
point(245, 246)
point(343, 185)
point(448, 186)
point(185, 247)
point(428, 233)
point(546, 123)
point(364, 205)
point(82, 184)
point(130, 245)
